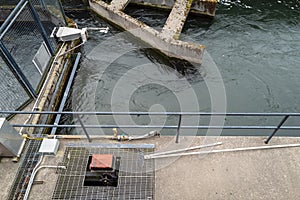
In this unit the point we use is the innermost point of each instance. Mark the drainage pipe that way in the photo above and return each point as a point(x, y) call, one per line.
point(35, 170)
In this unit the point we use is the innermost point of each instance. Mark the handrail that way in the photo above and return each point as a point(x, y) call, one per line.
point(157, 126)
point(275, 128)
point(151, 113)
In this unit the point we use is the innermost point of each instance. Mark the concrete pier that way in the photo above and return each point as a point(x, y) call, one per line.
point(167, 41)
point(119, 5)
point(176, 19)
point(203, 7)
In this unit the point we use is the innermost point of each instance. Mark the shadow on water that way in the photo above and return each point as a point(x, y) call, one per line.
point(192, 72)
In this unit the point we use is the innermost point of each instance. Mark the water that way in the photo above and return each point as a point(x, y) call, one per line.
point(255, 45)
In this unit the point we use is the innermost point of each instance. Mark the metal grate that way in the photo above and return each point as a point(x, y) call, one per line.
point(28, 163)
point(136, 175)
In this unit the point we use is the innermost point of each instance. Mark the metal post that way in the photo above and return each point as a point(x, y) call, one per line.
point(42, 4)
point(178, 129)
point(12, 15)
point(63, 13)
point(41, 28)
point(10, 21)
point(12, 64)
point(84, 129)
point(277, 128)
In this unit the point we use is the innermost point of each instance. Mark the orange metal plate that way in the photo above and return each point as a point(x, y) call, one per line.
point(101, 161)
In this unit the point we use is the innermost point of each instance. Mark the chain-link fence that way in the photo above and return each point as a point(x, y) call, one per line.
point(8, 2)
point(26, 48)
point(12, 93)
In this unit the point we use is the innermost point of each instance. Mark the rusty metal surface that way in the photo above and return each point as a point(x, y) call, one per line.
point(101, 161)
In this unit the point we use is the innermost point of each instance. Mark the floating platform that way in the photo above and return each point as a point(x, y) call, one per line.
point(166, 41)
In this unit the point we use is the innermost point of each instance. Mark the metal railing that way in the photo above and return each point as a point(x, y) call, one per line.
point(275, 128)
point(32, 148)
point(26, 48)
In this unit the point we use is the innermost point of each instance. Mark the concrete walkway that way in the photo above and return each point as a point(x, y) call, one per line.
point(260, 174)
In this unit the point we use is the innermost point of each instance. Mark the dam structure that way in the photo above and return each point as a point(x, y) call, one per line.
point(40, 57)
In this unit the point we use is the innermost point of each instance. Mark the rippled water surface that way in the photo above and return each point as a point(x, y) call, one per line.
point(255, 45)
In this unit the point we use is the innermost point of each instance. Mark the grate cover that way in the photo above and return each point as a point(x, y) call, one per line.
point(135, 177)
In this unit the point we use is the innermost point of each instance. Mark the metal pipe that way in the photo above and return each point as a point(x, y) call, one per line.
point(181, 150)
point(32, 177)
point(42, 3)
point(148, 135)
point(38, 98)
point(72, 49)
point(66, 93)
point(59, 83)
point(16, 159)
point(153, 113)
point(34, 174)
point(63, 12)
point(12, 17)
point(277, 128)
point(224, 150)
point(155, 126)
point(82, 137)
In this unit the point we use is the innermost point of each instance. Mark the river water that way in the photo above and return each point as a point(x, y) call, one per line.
point(253, 45)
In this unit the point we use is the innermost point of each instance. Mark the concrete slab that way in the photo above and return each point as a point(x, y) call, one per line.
point(8, 170)
point(261, 174)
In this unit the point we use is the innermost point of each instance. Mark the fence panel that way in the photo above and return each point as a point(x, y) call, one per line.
point(25, 37)
point(8, 2)
point(12, 94)
point(23, 40)
point(50, 14)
